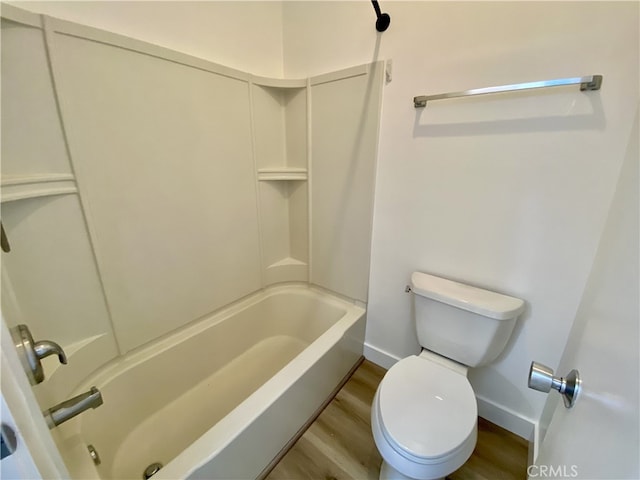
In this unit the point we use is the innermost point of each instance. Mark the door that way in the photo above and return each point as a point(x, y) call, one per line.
point(599, 437)
point(16, 463)
point(35, 455)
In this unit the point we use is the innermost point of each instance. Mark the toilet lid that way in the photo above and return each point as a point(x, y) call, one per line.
point(426, 409)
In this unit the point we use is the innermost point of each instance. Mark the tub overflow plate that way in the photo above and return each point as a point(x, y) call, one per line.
point(151, 470)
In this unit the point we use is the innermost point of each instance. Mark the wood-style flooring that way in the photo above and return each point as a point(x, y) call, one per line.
point(339, 444)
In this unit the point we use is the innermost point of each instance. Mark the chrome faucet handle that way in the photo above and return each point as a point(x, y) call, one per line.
point(45, 348)
point(31, 353)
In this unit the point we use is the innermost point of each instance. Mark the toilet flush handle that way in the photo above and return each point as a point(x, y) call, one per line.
point(541, 378)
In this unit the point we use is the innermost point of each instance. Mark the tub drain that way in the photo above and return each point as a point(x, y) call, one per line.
point(151, 470)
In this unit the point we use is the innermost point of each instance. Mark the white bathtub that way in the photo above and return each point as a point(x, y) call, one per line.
point(223, 397)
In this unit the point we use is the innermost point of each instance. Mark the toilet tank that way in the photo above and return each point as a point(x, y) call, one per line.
point(467, 324)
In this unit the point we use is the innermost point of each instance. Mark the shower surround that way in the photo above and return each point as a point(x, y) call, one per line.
point(163, 193)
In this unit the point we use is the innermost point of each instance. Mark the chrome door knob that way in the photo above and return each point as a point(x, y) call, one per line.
point(8, 441)
point(541, 378)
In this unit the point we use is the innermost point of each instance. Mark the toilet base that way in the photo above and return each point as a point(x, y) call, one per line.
point(387, 472)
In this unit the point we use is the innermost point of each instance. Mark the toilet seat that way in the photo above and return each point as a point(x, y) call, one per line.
point(426, 411)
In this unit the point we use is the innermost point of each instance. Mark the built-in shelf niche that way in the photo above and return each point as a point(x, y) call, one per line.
point(284, 229)
point(280, 126)
point(280, 140)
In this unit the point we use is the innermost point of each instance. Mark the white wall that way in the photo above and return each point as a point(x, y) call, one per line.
point(507, 192)
point(238, 34)
point(605, 337)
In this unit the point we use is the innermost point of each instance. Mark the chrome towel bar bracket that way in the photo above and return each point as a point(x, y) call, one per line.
point(592, 82)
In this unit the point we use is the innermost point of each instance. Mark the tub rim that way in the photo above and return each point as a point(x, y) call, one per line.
point(123, 363)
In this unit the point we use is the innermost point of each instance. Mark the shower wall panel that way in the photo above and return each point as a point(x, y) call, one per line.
point(28, 106)
point(163, 160)
point(345, 117)
point(49, 278)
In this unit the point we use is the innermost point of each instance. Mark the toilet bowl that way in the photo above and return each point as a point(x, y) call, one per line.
point(424, 418)
point(424, 414)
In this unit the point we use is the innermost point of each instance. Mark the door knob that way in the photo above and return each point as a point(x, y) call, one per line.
point(31, 352)
point(541, 378)
point(8, 441)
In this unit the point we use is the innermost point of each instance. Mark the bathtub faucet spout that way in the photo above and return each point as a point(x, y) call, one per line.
point(68, 409)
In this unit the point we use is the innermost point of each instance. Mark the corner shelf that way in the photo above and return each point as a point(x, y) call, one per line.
point(280, 141)
point(289, 261)
point(279, 82)
point(20, 187)
point(288, 269)
point(286, 173)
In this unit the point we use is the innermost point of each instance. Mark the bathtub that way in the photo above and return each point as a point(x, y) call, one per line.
point(223, 397)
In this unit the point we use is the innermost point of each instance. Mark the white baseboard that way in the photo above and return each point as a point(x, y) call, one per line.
point(506, 418)
point(379, 357)
point(534, 444)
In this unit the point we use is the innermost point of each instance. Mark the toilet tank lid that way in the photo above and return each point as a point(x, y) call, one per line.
point(473, 299)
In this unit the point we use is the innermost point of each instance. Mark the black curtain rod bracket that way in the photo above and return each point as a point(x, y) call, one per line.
point(383, 20)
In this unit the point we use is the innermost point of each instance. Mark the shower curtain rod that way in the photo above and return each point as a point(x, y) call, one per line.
point(383, 20)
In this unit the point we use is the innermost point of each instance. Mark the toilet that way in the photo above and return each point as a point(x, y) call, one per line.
point(424, 413)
